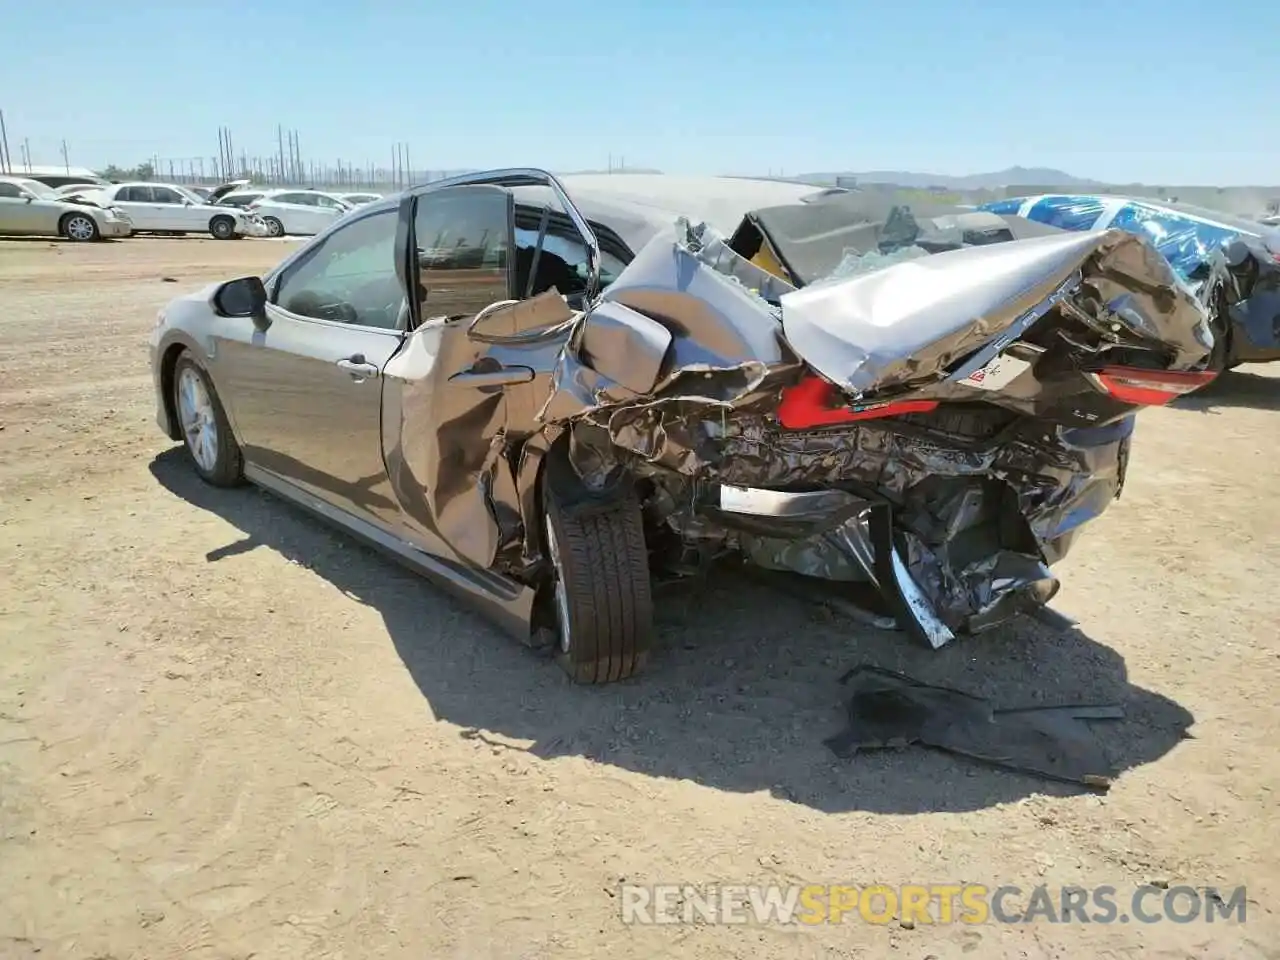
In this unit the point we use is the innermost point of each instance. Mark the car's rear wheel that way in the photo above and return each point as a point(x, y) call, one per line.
point(206, 433)
point(274, 227)
point(603, 603)
point(80, 227)
point(222, 228)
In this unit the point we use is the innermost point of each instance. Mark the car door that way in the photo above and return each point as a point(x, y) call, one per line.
point(172, 210)
point(292, 213)
point(312, 217)
point(453, 406)
point(19, 213)
point(330, 208)
point(135, 201)
point(305, 392)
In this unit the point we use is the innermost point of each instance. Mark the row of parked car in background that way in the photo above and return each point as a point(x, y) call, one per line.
point(87, 211)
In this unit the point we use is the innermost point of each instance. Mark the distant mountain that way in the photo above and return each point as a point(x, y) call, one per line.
point(1013, 177)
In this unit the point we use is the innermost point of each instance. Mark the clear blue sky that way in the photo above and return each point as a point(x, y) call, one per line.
point(1171, 91)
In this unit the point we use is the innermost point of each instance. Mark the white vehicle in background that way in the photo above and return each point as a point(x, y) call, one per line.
point(358, 199)
point(170, 208)
point(301, 213)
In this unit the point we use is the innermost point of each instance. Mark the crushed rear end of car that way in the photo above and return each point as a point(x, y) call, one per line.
point(931, 406)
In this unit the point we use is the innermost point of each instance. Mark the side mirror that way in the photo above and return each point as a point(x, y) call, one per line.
point(29, 198)
point(187, 203)
point(246, 297)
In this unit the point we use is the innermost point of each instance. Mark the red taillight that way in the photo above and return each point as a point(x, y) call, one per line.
point(813, 402)
point(1148, 388)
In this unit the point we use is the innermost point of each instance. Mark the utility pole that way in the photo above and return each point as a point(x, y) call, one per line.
point(65, 161)
point(408, 167)
point(226, 154)
point(280, 148)
point(5, 163)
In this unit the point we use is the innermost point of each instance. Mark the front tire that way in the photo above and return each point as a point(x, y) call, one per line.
point(80, 227)
point(206, 432)
point(222, 228)
point(274, 227)
point(602, 595)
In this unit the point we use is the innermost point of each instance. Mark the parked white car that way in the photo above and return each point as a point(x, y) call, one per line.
point(297, 212)
point(169, 208)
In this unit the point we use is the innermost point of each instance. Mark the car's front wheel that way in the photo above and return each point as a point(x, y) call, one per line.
point(222, 228)
point(603, 600)
point(206, 433)
point(80, 227)
point(274, 227)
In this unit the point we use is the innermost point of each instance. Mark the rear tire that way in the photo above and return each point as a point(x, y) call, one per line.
point(602, 596)
point(80, 227)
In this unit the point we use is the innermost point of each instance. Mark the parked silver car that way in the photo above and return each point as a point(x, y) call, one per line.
point(30, 208)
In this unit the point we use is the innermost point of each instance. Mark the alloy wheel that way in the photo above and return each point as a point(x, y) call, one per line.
point(195, 415)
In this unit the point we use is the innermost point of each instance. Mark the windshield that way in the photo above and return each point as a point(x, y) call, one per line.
point(188, 195)
point(40, 190)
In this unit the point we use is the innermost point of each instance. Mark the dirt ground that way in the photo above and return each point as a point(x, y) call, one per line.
point(226, 731)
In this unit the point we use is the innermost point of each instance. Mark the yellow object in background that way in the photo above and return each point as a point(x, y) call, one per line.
point(766, 261)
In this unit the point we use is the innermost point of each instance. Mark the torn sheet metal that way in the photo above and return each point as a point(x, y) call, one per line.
point(1244, 290)
point(891, 710)
point(943, 490)
point(910, 322)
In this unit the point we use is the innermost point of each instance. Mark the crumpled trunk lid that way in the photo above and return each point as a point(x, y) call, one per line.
point(913, 321)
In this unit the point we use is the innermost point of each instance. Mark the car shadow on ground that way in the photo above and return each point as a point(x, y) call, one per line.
point(34, 241)
point(741, 689)
point(1236, 388)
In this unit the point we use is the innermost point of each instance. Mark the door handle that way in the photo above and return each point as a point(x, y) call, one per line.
point(358, 368)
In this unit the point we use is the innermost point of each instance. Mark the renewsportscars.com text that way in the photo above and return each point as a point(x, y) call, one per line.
point(814, 904)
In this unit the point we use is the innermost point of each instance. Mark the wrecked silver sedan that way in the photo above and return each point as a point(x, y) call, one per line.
point(542, 393)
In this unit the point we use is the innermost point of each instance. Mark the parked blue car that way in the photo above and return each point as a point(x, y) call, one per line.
point(1242, 292)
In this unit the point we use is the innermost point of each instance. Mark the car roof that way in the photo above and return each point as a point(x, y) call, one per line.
point(143, 183)
point(637, 206)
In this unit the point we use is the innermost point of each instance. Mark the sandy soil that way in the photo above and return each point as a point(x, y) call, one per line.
point(226, 731)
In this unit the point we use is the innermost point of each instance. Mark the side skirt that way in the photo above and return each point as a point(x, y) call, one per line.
point(508, 603)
